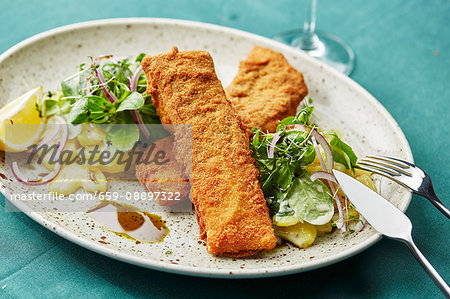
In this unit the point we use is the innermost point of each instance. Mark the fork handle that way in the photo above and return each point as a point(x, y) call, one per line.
point(438, 204)
point(438, 280)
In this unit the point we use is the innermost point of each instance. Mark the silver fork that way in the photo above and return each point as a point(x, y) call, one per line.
point(406, 174)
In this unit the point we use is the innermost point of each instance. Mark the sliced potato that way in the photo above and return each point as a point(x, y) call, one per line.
point(340, 193)
point(359, 172)
point(114, 166)
point(361, 175)
point(351, 213)
point(339, 166)
point(301, 235)
point(73, 176)
point(324, 228)
point(106, 165)
point(70, 148)
point(96, 182)
point(366, 179)
point(314, 166)
point(286, 220)
point(91, 135)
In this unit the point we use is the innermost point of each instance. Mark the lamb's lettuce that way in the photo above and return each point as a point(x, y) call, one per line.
point(83, 99)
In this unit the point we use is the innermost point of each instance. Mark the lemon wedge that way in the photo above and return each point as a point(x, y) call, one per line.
point(21, 111)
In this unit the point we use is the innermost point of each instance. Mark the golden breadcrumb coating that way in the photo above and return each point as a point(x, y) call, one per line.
point(266, 89)
point(168, 177)
point(231, 209)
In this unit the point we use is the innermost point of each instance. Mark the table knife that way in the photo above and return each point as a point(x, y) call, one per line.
point(386, 219)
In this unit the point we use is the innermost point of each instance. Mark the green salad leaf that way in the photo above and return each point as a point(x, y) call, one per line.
point(122, 138)
point(83, 99)
point(74, 85)
point(285, 182)
point(294, 150)
point(92, 109)
point(301, 118)
point(133, 101)
point(342, 152)
point(50, 107)
point(311, 200)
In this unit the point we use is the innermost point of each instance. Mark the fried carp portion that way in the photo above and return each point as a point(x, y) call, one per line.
point(266, 89)
point(230, 206)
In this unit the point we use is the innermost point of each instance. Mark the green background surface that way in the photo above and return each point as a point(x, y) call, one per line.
point(403, 59)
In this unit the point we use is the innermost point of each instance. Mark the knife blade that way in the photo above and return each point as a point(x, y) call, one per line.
point(380, 213)
point(386, 219)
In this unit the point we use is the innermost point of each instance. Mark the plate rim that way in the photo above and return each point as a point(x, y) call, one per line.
point(189, 270)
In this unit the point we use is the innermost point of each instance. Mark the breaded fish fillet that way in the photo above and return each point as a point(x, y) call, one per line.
point(231, 209)
point(266, 89)
point(168, 177)
point(257, 102)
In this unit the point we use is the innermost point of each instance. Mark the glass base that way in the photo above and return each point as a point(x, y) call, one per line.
point(325, 47)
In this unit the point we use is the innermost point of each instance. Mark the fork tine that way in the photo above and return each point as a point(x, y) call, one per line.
point(398, 162)
point(384, 172)
point(417, 181)
point(385, 166)
point(377, 169)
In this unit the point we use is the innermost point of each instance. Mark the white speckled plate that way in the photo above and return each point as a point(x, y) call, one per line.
point(340, 103)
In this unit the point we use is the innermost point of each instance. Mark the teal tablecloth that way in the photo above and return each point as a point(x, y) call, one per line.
point(403, 59)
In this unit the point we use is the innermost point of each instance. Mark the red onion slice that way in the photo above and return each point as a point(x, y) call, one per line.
point(341, 221)
point(361, 225)
point(133, 80)
point(271, 147)
point(319, 155)
point(323, 175)
point(327, 149)
point(35, 182)
point(328, 176)
point(140, 123)
point(329, 165)
point(64, 132)
point(54, 173)
point(111, 97)
point(323, 143)
point(59, 122)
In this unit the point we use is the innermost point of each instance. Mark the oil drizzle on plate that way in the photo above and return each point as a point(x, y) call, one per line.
point(129, 222)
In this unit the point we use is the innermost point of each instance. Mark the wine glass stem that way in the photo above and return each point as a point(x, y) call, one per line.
point(309, 36)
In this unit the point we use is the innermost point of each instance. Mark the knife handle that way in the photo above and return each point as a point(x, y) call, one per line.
point(438, 280)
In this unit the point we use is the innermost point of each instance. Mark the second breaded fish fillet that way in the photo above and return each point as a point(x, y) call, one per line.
point(266, 89)
point(231, 209)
